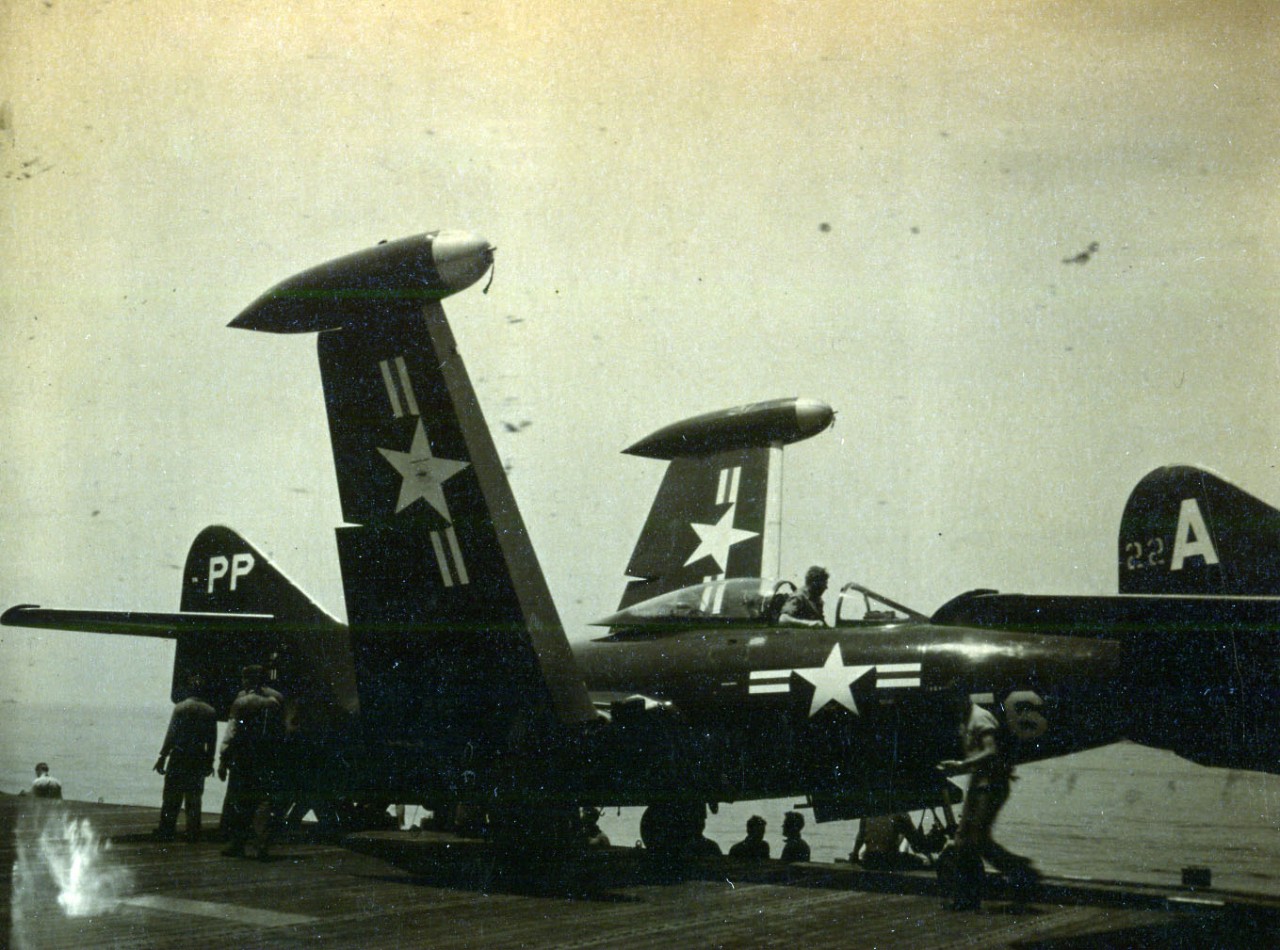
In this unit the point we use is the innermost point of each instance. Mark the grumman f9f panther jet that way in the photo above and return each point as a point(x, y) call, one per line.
point(453, 681)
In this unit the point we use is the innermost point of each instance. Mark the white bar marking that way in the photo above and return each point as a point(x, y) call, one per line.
point(443, 564)
point(769, 688)
point(391, 389)
point(897, 683)
point(769, 674)
point(232, 912)
point(457, 555)
point(408, 387)
point(897, 667)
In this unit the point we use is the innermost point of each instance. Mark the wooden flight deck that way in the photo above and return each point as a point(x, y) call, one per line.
point(407, 889)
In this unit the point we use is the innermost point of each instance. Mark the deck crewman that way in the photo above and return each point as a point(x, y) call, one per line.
point(45, 785)
point(251, 754)
point(991, 774)
point(186, 760)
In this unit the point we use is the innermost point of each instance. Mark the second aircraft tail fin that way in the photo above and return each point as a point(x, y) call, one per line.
point(1187, 531)
point(717, 512)
point(306, 649)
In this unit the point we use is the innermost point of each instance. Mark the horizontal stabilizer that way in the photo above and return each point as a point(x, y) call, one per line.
point(133, 622)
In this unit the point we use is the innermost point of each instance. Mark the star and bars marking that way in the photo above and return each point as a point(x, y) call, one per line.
point(833, 681)
point(715, 540)
point(422, 473)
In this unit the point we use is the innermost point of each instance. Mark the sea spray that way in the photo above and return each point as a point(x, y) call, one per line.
point(62, 868)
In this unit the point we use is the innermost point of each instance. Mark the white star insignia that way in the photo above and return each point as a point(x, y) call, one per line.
point(714, 540)
point(424, 475)
point(833, 681)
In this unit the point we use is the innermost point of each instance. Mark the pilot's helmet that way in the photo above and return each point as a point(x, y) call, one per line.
point(755, 821)
point(815, 574)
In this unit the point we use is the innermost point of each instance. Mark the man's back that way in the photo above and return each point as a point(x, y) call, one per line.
point(46, 786)
point(795, 849)
point(750, 849)
point(192, 727)
point(255, 724)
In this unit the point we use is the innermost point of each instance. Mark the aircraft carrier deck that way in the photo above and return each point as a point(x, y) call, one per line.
point(425, 889)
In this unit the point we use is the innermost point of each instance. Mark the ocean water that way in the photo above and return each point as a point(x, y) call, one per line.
point(1123, 812)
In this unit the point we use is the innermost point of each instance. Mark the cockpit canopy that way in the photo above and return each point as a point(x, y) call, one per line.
point(737, 599)
point(757, 601)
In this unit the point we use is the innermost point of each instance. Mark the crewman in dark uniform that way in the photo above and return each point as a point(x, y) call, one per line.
point(988, 791)
point(186, 759)
point(251, 752)
point(753, 847)
point(796, 848)
point(595, 838)
point(45, 785)
point(804, 608)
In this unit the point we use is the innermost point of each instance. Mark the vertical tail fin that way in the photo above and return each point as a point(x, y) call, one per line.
point(1186, 531)
point(717, 512)
point(225, 574)
point(455, 635)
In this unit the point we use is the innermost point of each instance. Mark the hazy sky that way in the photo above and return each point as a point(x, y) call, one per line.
point(865, 203)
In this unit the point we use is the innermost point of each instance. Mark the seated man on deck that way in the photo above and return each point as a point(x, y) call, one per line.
point(878, 846)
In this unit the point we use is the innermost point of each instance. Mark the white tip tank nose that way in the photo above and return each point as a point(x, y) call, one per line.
point(813, 416)
point(461, 258)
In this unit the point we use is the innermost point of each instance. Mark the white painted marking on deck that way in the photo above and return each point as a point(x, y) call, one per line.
point(235, 913)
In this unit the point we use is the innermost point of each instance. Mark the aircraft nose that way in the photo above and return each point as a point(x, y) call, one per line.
point(813, 416)
point(461, 258)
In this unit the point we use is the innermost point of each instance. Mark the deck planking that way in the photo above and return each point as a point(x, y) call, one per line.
point(418, 889)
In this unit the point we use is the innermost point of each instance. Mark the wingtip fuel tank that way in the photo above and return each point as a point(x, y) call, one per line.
point(759, 423)
point(353, 289)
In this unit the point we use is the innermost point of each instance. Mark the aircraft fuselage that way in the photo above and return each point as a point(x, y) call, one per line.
point(839, 713)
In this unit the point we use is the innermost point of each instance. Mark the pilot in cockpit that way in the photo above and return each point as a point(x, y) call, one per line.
point(804, 608)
